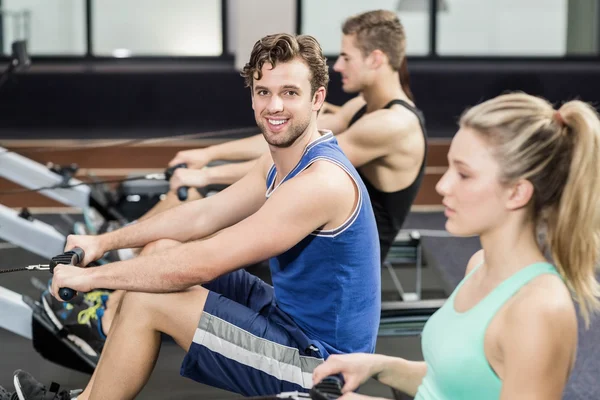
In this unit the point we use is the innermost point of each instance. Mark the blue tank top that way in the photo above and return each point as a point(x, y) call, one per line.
point(330, 282)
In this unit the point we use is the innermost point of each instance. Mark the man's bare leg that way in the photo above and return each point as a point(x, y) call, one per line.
point(132, 349)
point(116, 305)
point(114, 298)
point(112, 305)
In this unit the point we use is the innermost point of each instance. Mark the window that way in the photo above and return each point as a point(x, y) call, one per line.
point(502, 28)
point(55, 27)
point(323, 20)
point(123, 28)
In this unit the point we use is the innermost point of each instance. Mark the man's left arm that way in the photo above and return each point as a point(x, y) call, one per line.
point(297, 208)
point(373, 136)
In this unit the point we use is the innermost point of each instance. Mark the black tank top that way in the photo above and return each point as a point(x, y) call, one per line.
point(392, 208)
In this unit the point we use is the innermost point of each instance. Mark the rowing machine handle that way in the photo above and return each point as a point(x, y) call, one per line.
point(328, 389)
point(71, 257)
point(182, 191)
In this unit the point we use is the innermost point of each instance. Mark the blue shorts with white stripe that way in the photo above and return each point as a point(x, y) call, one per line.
point(245, 344)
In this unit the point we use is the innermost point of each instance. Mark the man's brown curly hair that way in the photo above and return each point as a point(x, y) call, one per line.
point(283, 47)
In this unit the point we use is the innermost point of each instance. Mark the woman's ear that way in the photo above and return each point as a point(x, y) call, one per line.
point(520, 195)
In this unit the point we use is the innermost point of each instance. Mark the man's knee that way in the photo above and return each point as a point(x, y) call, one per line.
point(140, 305)
point(133, 301)
point(163, 305)
point(159, 245)
point(176, 314)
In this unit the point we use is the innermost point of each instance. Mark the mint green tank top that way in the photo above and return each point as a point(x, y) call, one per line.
point(452, 343)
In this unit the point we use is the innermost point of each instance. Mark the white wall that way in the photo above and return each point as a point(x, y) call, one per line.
point(465, 27)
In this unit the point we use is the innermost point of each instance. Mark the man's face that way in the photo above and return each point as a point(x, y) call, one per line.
point(282, 102)
point(351, 65)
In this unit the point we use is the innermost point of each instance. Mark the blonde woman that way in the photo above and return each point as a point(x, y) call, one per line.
point(524, 178)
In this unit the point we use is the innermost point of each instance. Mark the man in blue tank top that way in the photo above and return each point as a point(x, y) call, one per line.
point(381, 132)
point(303, 206)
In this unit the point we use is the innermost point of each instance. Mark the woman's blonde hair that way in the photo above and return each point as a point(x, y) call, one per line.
point(558, 151)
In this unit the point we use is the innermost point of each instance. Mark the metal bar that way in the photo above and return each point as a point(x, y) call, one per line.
point(88, 30)
point(224, 26)
point(1, 28)
point(299, 16)
point(395, 280)
point(433, 10)
point(419, 288)
point(400, 306)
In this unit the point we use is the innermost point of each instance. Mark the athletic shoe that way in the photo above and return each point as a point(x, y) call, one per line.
point(80, 318)
point(6, 395)
point(28, 388)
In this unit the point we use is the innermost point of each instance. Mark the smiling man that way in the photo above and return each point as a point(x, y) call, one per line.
point(303, 206)
point(380, 131)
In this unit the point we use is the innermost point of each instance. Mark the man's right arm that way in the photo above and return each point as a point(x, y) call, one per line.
point(249, 148)
point(225, 174)
point(338, 121)
point(197, 219)
point(329, 108)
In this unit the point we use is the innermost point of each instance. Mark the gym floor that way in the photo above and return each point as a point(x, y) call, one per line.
point(446, 259)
